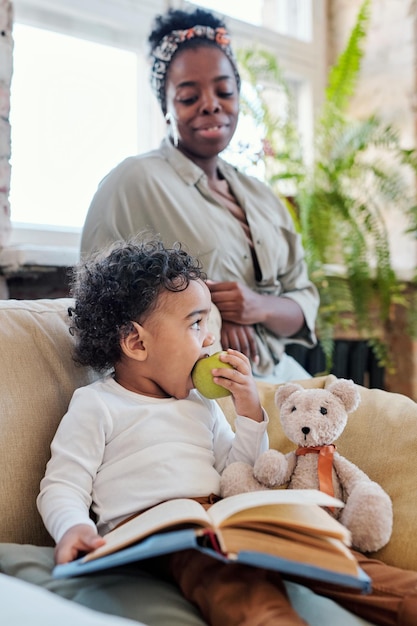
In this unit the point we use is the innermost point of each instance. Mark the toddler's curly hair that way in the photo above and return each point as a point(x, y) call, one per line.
point(120, 286)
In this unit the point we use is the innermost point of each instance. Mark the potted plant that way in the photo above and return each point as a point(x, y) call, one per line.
point(338, 198)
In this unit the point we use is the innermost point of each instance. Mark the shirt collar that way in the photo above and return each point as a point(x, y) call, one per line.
point(191, 173)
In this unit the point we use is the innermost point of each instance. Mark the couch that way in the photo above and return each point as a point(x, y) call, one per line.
point(37, 379)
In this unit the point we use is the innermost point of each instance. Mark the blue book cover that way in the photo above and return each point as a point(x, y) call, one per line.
point(153, 546)
point(164, 543)
point(295, 569)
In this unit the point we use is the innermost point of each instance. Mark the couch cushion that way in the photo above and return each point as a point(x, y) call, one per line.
point(380, 438)
point(37, 379)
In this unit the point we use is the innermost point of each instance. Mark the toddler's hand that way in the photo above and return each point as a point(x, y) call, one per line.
point(241, 384)
point(79, 538)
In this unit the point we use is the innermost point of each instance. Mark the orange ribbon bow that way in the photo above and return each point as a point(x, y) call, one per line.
point(325, 465)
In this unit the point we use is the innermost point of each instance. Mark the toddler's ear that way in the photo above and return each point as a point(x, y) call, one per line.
point(133, 344)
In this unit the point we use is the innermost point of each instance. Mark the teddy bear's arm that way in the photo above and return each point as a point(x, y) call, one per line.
point(273, 468)
point(348, 473)
point(368, 508)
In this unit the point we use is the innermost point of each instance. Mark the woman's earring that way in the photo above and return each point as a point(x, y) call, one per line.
point(174, 130)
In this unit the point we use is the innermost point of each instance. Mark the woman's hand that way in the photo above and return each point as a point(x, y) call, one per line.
point(241, 338)
point(235, 301)
point(79, 538)
point(240, 305)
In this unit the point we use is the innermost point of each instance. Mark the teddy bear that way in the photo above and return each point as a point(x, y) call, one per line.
point(313, 419)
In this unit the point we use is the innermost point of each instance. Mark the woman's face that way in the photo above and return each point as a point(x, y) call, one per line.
point(202, 100)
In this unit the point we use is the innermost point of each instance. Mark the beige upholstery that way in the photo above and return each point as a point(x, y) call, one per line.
point(38, 376)
point(37, 379)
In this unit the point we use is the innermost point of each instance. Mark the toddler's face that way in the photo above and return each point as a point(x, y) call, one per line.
point(177, 337)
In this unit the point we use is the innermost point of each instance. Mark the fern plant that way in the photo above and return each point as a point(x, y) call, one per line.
point(358, 172)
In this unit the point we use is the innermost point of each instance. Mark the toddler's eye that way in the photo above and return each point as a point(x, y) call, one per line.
point(196, 325)
point(323, 410)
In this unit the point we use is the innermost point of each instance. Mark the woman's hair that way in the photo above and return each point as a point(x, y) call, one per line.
point(113, 289)
point(177, 29)
point(176, 19)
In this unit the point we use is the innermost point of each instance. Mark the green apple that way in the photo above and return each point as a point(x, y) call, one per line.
point(203, 378)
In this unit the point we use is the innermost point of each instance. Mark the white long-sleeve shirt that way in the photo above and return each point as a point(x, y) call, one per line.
point(120, 452)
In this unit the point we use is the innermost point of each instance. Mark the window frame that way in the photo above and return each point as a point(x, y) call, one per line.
point(125, 24)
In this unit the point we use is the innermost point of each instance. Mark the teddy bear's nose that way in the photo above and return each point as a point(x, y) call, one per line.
point(305, 430)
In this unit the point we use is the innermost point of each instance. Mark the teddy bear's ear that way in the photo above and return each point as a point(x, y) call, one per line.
point(284, 391)
point(347, 392)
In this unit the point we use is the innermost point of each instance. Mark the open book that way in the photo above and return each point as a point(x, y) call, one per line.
point(285, 530)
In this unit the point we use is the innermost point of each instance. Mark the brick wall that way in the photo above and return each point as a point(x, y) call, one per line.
point(6, 64)
point(6, 68)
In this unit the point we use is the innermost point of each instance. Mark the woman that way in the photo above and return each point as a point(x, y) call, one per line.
point(185, 192)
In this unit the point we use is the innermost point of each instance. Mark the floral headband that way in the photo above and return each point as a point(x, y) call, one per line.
point(162, 54)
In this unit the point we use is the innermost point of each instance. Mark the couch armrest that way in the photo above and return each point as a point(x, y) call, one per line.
point(37, 379)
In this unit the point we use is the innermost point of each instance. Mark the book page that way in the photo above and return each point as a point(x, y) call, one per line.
point(187, 512)
point(164, 516)
point(244, 501)
point(235, 540)
point(302, 536)
point(302, 517)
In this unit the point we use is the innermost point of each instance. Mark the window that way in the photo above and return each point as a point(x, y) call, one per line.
point(250, 12)
point(72, 123)
point(73, 117)
point(288, 17)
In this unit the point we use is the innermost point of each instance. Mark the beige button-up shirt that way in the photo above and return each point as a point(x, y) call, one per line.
point(167, 193)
